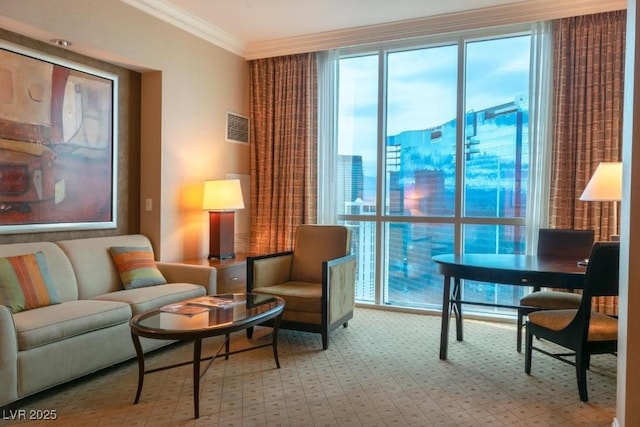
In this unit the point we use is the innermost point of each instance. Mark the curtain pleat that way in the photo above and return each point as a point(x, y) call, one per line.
point(283, 153)
point(588, 94)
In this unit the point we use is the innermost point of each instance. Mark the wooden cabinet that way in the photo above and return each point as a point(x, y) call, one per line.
point(231, 273)
point(232, 278)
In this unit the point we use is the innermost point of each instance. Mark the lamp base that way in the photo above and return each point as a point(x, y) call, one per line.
point(221, 234)
point(221, 256)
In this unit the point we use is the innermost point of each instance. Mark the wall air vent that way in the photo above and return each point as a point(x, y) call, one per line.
point(237, 128)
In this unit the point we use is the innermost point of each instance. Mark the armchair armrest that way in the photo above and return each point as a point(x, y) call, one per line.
point(183, 273)
point(268, 270)
point(8, 358)
point(339, 280)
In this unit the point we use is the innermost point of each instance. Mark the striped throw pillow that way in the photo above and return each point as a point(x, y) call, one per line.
point(25, 283)
point(136, 266)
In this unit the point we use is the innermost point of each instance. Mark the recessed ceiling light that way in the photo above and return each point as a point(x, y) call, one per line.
point(60, 42)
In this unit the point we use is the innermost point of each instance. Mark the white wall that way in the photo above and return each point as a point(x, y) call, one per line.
point(628, 387)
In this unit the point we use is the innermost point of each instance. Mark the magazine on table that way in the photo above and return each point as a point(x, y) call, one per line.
point(200, 305)
point(184, 308)
point(215, 302)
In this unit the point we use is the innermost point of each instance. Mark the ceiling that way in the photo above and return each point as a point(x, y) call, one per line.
point(262, 28)
point(260, 20)
point(239, 24)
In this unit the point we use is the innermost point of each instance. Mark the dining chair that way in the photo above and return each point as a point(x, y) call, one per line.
point(581, 330)
point(555, 243)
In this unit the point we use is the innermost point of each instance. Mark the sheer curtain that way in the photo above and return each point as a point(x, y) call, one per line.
point(539, 132)
point(588, 96)
point(327, 135)
point(283, 152)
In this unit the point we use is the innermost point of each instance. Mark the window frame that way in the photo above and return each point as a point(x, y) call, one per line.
point(380, 218)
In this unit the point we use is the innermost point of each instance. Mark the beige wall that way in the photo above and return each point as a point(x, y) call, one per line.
point(187, 86)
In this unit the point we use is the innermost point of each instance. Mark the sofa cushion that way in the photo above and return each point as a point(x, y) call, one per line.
point(25, 283)
point(145, 299)
point(136, 266)
point(58, 265)
point(54, 323)
point(94, 269)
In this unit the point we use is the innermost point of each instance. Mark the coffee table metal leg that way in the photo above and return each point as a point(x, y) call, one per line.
point(276, 325)
point(140, 356)
point(227, 346)
point(197, 351)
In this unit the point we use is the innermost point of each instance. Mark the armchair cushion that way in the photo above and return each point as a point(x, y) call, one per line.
point(299, 296)
point(553, 300)
point(601, 326)
point(314, 244)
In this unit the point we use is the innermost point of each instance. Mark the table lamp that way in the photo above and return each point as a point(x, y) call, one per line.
point(221, 198)
point(606, 186)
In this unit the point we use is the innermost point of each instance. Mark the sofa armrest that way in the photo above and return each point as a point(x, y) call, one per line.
point(8, 358)
point(268, 270)
point(341, 286)
point(197, 274)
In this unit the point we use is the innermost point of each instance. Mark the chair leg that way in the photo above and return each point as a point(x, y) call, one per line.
point(250, 332)
point(581, 375)
point(325, 340)
point(519, 328)
point(528, 349)
point(345, 324)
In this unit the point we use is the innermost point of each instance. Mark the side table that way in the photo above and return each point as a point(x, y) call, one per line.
point(232, 272)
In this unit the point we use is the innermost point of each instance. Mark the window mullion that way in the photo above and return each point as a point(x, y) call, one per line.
point(381, 178)
point(460, 122)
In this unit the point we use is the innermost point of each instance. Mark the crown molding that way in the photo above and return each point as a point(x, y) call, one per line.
point(190, 23)
point(514, 13)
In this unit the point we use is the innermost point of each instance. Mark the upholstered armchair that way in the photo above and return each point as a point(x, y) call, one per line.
point(316, 280)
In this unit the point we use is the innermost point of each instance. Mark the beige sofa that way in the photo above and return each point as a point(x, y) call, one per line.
point(89, 330)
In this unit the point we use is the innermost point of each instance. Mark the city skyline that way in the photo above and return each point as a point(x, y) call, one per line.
point(422, 89)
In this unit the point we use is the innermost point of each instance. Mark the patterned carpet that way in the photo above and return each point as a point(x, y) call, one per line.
point(383, 370)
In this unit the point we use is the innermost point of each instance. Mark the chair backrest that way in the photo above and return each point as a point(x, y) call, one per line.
point(602, 276)
point(561, 242)
point(601, 279)
point(315, 244)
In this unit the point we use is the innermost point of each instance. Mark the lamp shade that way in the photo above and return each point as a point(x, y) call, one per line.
point(222, 195)
point(605, 185)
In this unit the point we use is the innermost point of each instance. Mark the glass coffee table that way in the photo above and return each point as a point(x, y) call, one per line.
point(204, 317)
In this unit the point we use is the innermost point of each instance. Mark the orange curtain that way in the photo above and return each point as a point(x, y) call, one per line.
point(283, 153)
point(587, 102)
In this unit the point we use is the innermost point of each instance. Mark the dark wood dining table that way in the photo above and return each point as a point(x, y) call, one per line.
point(508, 269)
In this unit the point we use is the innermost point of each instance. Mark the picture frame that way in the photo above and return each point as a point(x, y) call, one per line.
point(58, 144)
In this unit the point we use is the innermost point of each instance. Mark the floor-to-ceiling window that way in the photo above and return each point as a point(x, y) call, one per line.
point(432, 155)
